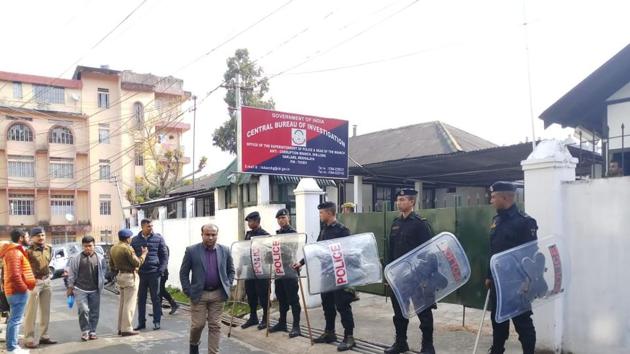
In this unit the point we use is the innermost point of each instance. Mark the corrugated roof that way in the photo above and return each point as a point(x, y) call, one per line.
point(424, 139)
point(295, 180)
point(201, 183)
point(223, 180)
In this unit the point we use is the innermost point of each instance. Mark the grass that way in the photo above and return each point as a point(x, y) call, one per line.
point(178, 295)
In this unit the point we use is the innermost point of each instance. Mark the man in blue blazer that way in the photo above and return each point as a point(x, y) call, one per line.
point(212, 276)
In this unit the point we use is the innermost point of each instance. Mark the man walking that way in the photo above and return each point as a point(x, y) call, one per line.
point(153, 267)
point(256, 289)
point(39, 256)
point(124, 261)
point(212, 276)
point(164, 294)
point(18, 279)
point(86, 278)
point(287, 289)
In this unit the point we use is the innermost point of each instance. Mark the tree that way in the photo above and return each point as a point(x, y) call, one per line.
point(254, 88)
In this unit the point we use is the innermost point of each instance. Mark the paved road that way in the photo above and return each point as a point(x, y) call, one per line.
point(172, 338)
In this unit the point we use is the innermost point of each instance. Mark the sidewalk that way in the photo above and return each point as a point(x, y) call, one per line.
point(374, 328)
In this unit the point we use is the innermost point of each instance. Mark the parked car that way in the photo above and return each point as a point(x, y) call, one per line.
point(61, 254)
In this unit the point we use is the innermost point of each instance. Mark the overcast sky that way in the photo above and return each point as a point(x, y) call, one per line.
point(377, 64)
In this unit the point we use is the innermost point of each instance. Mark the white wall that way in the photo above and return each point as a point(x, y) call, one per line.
point(597, 304)
point(181, 233)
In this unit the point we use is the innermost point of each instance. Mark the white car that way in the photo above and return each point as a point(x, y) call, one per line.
point(60, 255)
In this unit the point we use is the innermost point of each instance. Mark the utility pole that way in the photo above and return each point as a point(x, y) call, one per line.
point(114, 180)
point(239, 191)
point(194, 130)
point(529, 74)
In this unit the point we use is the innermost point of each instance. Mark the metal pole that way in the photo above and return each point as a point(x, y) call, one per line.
point(268, 300)
point(483, 317)
point(622, 147)
point(529, 76)
point(234, 308)
point(239, 192)
point(308, 321)
point(115, 179)
point(194, 131)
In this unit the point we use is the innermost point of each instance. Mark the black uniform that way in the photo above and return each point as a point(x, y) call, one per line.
point(338, 299)
point(511, 228)
point(405, 235)
point(287, 290)
point(257, 290)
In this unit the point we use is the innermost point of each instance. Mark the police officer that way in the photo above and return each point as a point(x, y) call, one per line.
point(124, 261)
point(339, 299)
point(409, 231)
point(287, 289)
point(256, 289)
point(510, 228)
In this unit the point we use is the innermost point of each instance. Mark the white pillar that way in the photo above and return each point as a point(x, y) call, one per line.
point(307, 196)
point(546, 169)
point(332, 194)
point(263, 190)
point(219, 199)
point(418, 187)
point(358, 193)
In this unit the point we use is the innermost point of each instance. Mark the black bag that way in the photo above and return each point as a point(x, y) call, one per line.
point(4, 302)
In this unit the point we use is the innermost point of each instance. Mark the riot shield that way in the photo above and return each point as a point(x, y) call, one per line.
point(273, 256)
point(342, 262)
point(428, 273)
point(242, 258)
point(526, 276)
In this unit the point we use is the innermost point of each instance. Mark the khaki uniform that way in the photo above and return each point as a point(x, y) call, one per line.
point(39, 297)
point(123, 260)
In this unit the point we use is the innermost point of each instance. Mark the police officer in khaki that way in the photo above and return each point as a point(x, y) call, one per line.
point(124, 261)
point(39, 256)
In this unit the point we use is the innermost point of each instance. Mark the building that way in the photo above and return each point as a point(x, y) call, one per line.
point(71, 149)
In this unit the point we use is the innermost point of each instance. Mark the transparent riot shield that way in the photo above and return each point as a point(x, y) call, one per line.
point(242, 258)
point(527, 275)
point(428, 273)
point(342, 262)
point(273, 256)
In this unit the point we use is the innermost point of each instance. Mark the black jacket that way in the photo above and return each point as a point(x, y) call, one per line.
point(258, 232)
point(407, 234)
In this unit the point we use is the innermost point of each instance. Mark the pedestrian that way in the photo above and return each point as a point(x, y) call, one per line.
point(510, 228)
point(125, 263)
point(212, 276)
point(337, 299)
point(407, 232)
point(150, 272)
point(164, 294)
point(18, 279)
point(347, 208)
point(287, 288)
point(39, 256)
point(86, 278)
point(257, 290)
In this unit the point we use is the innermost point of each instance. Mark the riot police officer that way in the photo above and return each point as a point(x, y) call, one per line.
point(256, 289)
point(409, 231)
point(287, 288)
point(338, 299)
point(510, 228)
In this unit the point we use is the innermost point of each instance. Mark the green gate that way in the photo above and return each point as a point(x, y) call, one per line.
point(471, 226)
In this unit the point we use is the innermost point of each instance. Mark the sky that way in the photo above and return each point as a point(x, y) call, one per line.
point(378, 64)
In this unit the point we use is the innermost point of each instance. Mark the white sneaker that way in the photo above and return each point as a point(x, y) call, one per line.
point(19, 350)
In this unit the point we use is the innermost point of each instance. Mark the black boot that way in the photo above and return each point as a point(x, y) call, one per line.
point(399, 346)
point(326, 337)
point(295, 331)
point(194, 349)
point(427, 348)
point(253, 320)
point(263, 324)
point(346, 344)
point(281, 326)
point(492, 350)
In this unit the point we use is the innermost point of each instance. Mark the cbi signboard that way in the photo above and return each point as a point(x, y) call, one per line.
point(280, 143)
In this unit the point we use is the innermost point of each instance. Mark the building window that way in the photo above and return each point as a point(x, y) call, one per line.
point(383, 200)
point(62, 204)
point(20, 132)
point(61, 135)
point(21, 204)
point(49, 94)
point(103, 133)
point(139, 156)
point(104, 170)
point(21, 166)
point(106, 236)
point(204, 206)
point(138, 113)
point(105, 204)
point(61, 168)
point(103, 98)
point(17, 90)
point(139, 187)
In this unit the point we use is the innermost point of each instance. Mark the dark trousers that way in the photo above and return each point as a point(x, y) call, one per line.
point(149, 283)
point(338, 300)
point(164, 294)
point(287, 294)
point(257, 291)
point(501, 331)
point(401, 323)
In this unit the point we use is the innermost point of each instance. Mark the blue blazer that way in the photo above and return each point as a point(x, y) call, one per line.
point(195, 261)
